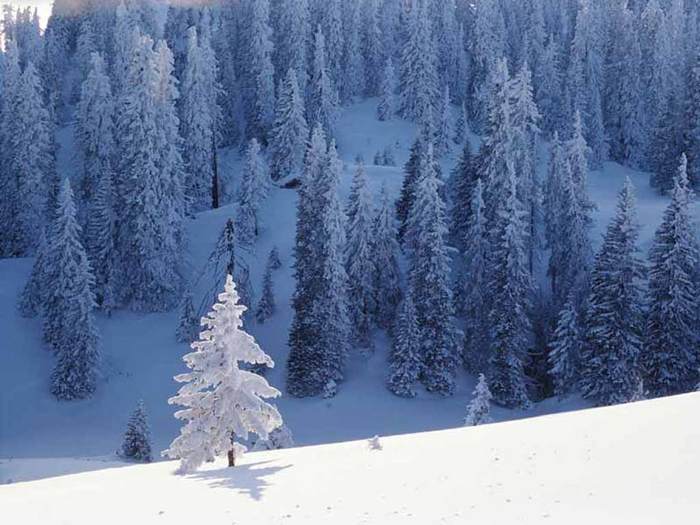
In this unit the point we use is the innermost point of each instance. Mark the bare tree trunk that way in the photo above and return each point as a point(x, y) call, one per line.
point(231, 458)
point(215, 179)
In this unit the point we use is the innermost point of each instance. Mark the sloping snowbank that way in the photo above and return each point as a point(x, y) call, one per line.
point(634, 463)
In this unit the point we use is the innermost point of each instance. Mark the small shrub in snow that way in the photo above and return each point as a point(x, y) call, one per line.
point(188, 325)
point(279, 438)
point(137, 438)
point(374, 443)
point(274, 259)
point(479, 408)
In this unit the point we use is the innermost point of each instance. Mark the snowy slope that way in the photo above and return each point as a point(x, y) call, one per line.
point(635, 463)
point(141, 355)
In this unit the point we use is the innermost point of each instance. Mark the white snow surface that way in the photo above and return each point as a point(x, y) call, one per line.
point(141, 355)
point(634, 463)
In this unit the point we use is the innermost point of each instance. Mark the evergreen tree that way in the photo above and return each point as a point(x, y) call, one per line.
point(188, 323)
point(289, 131)
point(219, 397)
point(68, 319)
point(353, 80)
point(474, 290)
point(255, 186)
point(386, 273)
point(293, 36)
point(387, 102)
point(266, 305)
point(511, 288)
point(100, 238)
point(480, 406)
point(199, 116)
point(406, 356)
point(359, 262)
point(671, 352)
point(95, 127)
point(429, 281)
point(418, 85)
point(30, 300)
point(610, 356)
point(565, 349)
point(260, 86)
point(137, 438)
point(322, 104)
point(548, 88)
point(463, 181)
point(274, 259)
point(461, 132)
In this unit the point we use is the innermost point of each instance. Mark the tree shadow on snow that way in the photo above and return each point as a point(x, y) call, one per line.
point(246, 479)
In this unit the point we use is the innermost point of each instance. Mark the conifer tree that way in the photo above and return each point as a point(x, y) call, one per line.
point(290, 131)
point(95, 127)
point(292, 44)
point(429, 281)
point(322, 105)
point(358, 258)
point(386, 273)
point(221, 402)
point(69, 326)
point(480, 406)
point(353, 80)
point(274, 259)
point(406, 355)
point(266, 305)
point(259, 70)
point(671, 353)
point(418, 85)
point(255, 186)
point(188, 323)
point(387, 93)
point(511, 287)
point(474, 286)
point(463, 181)
point(565, 349)
point(610, 356)
point(30, 300)
point(199, 116)
point(461, 132)
point(137, 438)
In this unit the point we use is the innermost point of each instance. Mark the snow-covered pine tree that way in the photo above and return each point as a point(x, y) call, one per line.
point(510, 287)
point(266, 305)
point(443, 135)
point(95, 127)
point(255, 186)
point(613, 326)
point(387, 101)
point(386, 273)
point(480, 406)
point(548, 87)
point(474, 286)
point(218, 396)
point(290, 131)
point(553, 192)
point(199, 118)
point(69, 326)
point(293, 35)
point(565, 349)
point(373, 51)
point(418, 84)
point(692, 126)
point(303, 355)
point(149, 214)
point(100, 237)
point(406, 356)
point(259, 72)
point(462, 182)
point(188, 322)
point(322, 101)
point(330, 310)
point(353, 80)
point(359, 263)
point(30, 300)
point(429, 280)
point(671, 354)
point(32, 161)
point(84, 48)
point(137, 438)
point(330, 19)
point(274, 259)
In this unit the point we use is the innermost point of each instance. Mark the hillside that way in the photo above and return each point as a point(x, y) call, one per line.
point(141, 355)
point(635, 463)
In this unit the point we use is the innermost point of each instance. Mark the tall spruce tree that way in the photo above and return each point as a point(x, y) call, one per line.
point(69, 326)
point(386, 274)
point(322, 100)
point(406, 358)
point(610, 356)
point(429, 281)
point(671, 354)
point(289, 131)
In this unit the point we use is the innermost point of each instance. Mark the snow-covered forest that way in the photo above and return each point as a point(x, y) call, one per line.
point(393, 203)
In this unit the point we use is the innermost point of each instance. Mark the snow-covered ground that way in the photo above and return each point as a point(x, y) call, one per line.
point(634, 463)
point(141, 355)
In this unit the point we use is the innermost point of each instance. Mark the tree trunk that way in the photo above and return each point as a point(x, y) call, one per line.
point(231, 458)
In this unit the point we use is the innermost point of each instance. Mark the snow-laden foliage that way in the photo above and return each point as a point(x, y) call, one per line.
point(221, 402)
point(137, 438)
point(480, 406)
